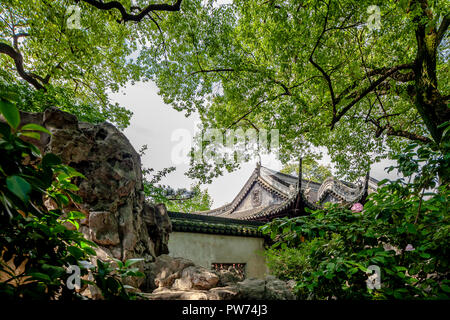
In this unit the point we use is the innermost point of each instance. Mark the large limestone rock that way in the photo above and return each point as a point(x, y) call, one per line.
point(196, 277)
point(270, 288)
point(227, 277)
point(180, 274)
point(174, 294)
point(181, 279)
point(117, 217)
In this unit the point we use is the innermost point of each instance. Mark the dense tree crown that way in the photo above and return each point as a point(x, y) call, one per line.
point(316, 70)
point(72, 53)
point(358, 77)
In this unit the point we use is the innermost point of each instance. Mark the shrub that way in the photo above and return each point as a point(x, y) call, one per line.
point(403, 229)
point(36, 247)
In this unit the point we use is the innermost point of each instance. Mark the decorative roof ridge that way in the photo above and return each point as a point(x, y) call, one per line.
point(206, 212)
point(211, 219)
point(237, 199)
point(282, 206)
point(266, 185)
point(291, 176)
point(339, 189)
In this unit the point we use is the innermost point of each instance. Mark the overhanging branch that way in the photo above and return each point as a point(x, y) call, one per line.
point(129, 16)
point(370, 88)
point(31, 78)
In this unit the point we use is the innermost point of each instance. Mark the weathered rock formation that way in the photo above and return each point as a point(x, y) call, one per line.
point(180, 279)
point(117, 217)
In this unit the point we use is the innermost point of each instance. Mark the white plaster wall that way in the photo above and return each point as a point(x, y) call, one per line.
point(205, 249)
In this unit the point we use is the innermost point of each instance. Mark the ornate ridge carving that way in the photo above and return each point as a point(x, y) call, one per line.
point(340, 190)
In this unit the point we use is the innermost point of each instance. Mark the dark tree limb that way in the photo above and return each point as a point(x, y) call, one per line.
point(31, 78)
point(405, 134)
point(318, 67)
point(16, 38)
point(133, 17)
point(442, 29)
point(390, 131)
point(212, 70)
point(367, 90)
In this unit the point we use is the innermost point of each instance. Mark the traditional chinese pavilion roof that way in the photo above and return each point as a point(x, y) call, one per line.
point(189, 222)
point(282, 189)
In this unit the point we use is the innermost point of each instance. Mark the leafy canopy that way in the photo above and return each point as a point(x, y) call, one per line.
point(312, 69)
point(73, 68)
point(319, 71)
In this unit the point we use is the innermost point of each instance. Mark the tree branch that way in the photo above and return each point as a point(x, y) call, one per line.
point(325, 75)
point(369, 89)
point(212, 70)
point(133, 17)
point(18, 61)
point(442, 29)
point(405, 134)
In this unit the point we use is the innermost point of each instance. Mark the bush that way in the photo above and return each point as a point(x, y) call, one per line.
point(403, 229)
point(36, 247)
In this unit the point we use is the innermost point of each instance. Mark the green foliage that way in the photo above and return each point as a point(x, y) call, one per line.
point(290, 263)
point(66, 99)
point(108, 278)
point(311, 170)
point(193, 200)
point(249, 64)
point(403, 229)
point(36, 243)
point(303, 68)
point(332, 250)
point(73, 69)
point(178, 200)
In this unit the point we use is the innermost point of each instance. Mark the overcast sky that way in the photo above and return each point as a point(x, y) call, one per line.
point(153, 123)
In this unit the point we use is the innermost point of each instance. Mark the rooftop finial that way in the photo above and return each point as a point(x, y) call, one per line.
point(365, 188)
point(300, 173)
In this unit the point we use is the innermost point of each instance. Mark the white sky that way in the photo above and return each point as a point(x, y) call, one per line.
point(153, 124)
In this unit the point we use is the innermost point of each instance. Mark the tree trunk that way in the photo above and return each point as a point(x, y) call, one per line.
point(429, 102)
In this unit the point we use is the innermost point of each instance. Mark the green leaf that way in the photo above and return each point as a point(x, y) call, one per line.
point(10, 112)
point(425, 255)
point(411, 228)
point(19, 186)
point(50, 159)
point(54, 271)
point(33, 135)
point(76, 252)
point(90, 251)
point(34, 127)
point(119, 262)
point(130, 262)
point(76, 215)
point(40, 276)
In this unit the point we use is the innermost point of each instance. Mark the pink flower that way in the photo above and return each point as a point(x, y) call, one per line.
point(357, 207)
point(409, 247)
